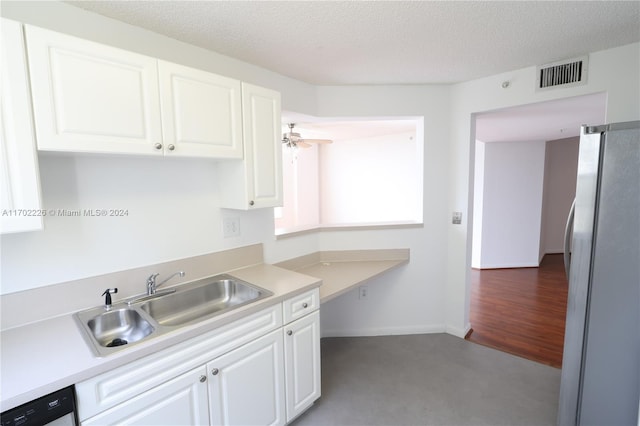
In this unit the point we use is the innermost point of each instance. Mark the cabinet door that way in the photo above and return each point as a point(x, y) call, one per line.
point(201, 113)
point(257, 181)
point(246, 386)
point(88, 97)
point(302, 363)
point(20, 182)
point(263, 151)
point(181, 401)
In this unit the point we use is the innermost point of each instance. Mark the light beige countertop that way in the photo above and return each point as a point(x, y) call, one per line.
point(342, 271)
point(44, 356)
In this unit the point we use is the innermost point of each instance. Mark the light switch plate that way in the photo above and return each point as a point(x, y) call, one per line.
point(456, 218)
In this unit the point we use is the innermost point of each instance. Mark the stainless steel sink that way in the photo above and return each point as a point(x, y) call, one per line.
point(144, 317)
point(202, 300)
point(119, 327)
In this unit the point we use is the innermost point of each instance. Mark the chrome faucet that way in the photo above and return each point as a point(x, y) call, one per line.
point(151, 282)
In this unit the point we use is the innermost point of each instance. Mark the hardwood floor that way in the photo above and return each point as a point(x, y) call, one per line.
point(521, 311)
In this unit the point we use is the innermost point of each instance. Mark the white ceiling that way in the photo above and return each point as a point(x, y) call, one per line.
point(387, 42)
point(542, 121)
point(348, 129)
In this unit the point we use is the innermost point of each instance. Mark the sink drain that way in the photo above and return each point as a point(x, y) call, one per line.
point(117, 342)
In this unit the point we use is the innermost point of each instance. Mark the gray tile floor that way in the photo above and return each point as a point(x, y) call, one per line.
point(430, 379)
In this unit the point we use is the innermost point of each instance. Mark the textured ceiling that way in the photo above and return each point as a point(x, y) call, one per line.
point(542, 121)
point(380, 42)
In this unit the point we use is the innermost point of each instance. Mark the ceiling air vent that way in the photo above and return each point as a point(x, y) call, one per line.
point(568, 73)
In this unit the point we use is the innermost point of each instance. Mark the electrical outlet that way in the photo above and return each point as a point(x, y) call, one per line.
point(231, 227)
point(363, 293)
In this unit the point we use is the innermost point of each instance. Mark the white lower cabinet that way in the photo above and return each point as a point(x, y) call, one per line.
point(302, 363)
point(246, 386)
point(253, 371)
point(181, 401)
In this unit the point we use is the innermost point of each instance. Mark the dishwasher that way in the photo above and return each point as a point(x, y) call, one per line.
point(56, 409)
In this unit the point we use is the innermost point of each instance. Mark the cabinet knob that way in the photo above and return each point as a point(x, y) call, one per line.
point(305, 305)
point(158, 146)
point(171, 147)
point(215, 371)
point(203, 379)
point(251, 202)
point(289, 333)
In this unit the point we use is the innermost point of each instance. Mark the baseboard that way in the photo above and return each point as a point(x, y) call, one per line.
point(386, 331)
point(510, 265)
point(457, 331)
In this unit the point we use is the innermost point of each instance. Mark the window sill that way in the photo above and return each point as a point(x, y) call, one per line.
point(294, 232)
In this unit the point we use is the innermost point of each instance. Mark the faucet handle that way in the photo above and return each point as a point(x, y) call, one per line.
point(107, 299)
point(152, 279)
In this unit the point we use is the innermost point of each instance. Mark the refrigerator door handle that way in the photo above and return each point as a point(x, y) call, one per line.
point(568, 233)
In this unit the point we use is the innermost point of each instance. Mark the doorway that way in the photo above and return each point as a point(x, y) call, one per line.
point(524, 183)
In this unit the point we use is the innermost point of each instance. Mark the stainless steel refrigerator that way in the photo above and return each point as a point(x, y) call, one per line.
point(601, 362)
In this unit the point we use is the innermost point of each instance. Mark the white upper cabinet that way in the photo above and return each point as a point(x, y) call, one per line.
point(257, 181)
point(19, 180)
point(263, 153)
point(88, 97)
point(201, 112)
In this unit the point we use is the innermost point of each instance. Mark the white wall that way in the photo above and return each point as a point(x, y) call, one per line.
point(497, 241)
point(560, 174)
point(371, 180)
point(301, 190)
point(512, 204)
point(478, 204)
point(173, 203)
point(614, 71)
point(410, 299)
point(429, 294)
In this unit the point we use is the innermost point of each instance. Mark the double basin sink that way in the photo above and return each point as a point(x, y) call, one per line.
point(140, 318)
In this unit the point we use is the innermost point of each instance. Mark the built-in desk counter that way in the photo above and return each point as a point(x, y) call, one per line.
point(341, 271)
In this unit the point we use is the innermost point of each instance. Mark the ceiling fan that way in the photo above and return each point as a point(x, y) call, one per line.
point(293, 139)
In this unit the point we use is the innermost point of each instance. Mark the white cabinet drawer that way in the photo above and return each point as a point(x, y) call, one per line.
point(111, 388)
point(300, 305)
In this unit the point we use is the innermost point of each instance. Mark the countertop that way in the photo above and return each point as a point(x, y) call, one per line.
point(343, 270)
point(45, 356)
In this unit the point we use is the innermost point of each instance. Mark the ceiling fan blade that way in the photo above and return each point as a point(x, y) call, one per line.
point(293, 139)
point(318, 141)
